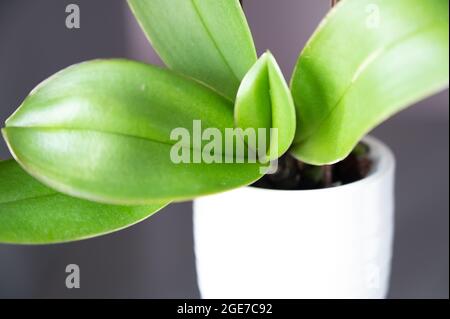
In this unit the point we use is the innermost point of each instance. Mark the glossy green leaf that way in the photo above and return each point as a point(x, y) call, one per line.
point(264, 101)
point(207, 40)
point(31, 213)
point(102, 130)
point(368, 60)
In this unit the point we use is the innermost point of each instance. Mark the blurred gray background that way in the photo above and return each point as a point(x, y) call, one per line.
point(155, 258)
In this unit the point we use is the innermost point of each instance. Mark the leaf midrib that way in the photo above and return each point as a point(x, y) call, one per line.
point(55, 128)
point(208, 32)
point(14, 201)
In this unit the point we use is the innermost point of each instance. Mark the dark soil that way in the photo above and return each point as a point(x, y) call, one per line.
point(295, 175)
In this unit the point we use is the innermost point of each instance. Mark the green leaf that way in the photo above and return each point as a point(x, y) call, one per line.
point(264, 102)
point(31, 213)
point(102, 130)
point(368, 60)
point(207, 40)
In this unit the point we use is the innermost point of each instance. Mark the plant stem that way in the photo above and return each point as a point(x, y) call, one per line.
point(327, 176)
point(334, 2)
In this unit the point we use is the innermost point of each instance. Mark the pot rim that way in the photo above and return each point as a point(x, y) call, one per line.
point(383, 164)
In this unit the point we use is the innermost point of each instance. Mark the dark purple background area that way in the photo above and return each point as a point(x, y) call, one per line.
point(155, 258)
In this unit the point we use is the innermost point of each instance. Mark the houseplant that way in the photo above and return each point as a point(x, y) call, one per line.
point(89, 131)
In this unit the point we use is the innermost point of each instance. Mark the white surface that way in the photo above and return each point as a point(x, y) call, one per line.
point(329, 243)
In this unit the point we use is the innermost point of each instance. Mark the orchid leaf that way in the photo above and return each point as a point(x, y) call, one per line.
point(103, 131)
point(31, 213)
point(368, 60)
point(203, 39)
point(265, 102)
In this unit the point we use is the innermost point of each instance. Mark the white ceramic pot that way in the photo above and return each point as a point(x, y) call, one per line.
point(328, 243)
